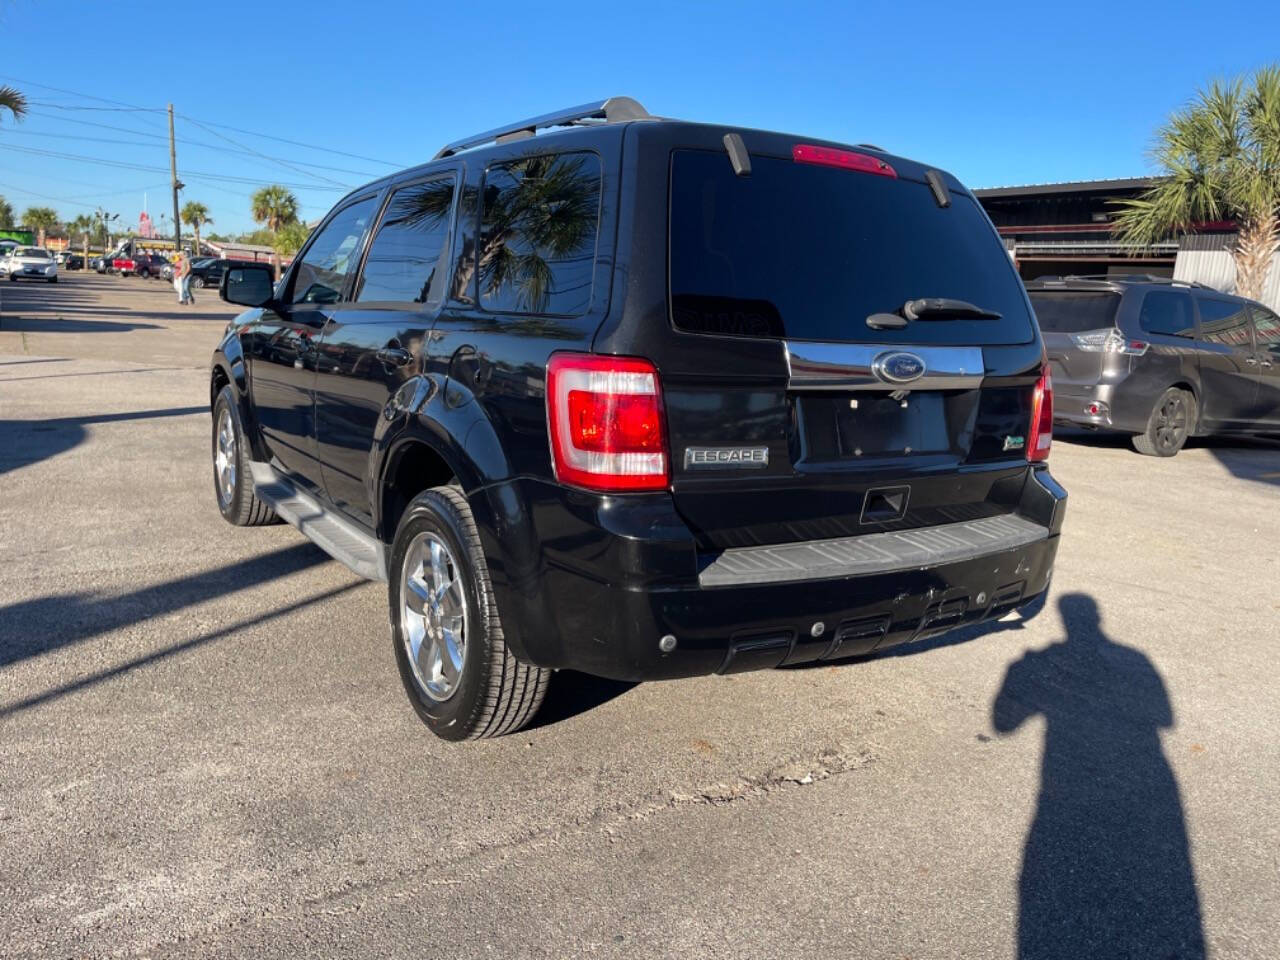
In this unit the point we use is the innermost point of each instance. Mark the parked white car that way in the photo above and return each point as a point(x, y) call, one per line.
point(30, 263)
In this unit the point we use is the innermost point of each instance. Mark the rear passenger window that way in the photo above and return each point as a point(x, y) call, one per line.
point(1266, 327)
point(1167, 312)
point(1225, 322)
point(538, 230)
point(404, 258)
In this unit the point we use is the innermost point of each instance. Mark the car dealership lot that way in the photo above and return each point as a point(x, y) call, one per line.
point(205, 749)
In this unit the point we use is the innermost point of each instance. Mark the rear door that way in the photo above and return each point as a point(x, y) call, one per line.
point(1226, 360)
point(793, 412)
point(373, 343)
point(1267, 370)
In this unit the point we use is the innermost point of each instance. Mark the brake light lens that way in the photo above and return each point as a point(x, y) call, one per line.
point(1109, 341)
point(607, 428)
point(1040, 437)
point(846, 159)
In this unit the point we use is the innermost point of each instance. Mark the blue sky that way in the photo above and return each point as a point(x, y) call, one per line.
point(997, 93)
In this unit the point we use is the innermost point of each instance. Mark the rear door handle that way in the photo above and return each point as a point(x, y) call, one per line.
point(394, 356)
point(1251, 360)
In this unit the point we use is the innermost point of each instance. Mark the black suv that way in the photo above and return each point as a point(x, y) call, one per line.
point(1159, 359)
point(646, 399)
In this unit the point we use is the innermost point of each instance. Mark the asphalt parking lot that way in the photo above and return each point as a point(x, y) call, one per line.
point(205, 749)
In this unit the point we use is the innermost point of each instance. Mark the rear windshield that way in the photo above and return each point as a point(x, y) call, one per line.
point(808, 253)
point(1074, 311)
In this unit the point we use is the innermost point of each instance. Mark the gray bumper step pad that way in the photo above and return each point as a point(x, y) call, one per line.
point(329, 531)
point(870, 553)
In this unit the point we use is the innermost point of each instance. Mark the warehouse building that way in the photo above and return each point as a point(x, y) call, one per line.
point(1056, 229)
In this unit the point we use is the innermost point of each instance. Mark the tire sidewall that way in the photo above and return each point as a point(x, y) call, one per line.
point(452, 719)
point(232, 509)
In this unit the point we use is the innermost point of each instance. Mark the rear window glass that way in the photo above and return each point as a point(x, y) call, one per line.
point(538, 234)
point(1074, 311)
point(404, 255)
point(808, 253)
point(1167, 312)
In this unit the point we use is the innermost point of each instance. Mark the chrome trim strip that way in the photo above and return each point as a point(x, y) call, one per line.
point(851, 366)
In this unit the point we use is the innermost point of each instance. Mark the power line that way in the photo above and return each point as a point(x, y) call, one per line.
point(283, 163)
point(223, 126)
point(185, 142)
point(253, 181)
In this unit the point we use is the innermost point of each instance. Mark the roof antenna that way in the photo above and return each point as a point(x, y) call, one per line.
point(738, 155)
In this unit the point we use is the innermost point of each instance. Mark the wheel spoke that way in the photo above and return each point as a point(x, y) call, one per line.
point(449, 597)
point(438, 572)
point(451, 658)
point(417, 596)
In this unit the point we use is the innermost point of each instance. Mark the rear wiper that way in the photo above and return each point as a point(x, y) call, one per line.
point(929, 308)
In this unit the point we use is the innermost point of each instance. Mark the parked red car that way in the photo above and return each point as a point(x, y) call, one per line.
point(140, 264)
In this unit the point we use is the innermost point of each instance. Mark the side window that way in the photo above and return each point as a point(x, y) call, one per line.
point(319, 276)
point(1225, 322)
point(405, 254)
point(1266, 327)
point(1167, 312)
point(538, 228)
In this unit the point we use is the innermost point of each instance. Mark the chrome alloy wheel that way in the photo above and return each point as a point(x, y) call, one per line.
point(433, 616)
point(224, 457)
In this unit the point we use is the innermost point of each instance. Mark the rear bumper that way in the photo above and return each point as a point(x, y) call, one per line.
point(1120, 407)
point(595, 583)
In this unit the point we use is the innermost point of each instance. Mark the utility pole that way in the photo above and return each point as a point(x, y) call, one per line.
point(173, 172)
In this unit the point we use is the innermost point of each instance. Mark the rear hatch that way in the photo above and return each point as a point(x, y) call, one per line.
point(790, 416)
point(1075, 324)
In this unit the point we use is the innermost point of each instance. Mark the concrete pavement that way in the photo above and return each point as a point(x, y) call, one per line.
point(205, 749)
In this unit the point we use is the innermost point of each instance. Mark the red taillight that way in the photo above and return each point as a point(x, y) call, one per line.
point(846, 159)
point(605, 416)
point(1041, 436)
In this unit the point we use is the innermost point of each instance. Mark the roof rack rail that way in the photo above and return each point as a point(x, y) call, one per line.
point(613, 110)
point(1130, 278)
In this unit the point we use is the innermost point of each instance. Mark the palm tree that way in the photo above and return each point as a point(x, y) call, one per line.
point(42, 220)
point(274, 207)
point(1220, 159)
point(83, 226)
point(195, 215)
point(13, 101)
point(6, 214)
point(290, 239)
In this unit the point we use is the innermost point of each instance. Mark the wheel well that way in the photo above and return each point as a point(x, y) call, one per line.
point(220, 380)
point(415, 467)
point(1195, 395)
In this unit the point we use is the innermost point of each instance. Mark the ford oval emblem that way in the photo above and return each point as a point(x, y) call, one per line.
point(898, 367)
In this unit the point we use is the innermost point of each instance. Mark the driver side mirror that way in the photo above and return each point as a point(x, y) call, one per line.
point(248, 286)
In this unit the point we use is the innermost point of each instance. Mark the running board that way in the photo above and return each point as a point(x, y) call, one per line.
point(324, 526)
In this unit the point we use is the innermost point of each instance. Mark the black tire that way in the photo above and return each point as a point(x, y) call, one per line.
point(53, 279)
point(1171, 422)
point(239, 506)
point(495, 694)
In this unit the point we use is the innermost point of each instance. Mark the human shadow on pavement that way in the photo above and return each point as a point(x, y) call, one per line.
point(24, 442)
point(1106, 869)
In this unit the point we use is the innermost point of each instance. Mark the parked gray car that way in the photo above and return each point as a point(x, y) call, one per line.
point(1159, 359)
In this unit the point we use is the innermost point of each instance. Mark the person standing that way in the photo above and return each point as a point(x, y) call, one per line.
point(179, 267)
point(186, 282)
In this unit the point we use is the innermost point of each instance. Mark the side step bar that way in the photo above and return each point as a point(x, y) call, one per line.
point(870, 553)
point(328, 530)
